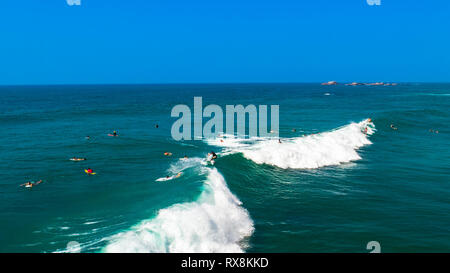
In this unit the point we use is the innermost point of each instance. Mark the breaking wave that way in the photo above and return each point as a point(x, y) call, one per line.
point(306, 152)
point(216, 222)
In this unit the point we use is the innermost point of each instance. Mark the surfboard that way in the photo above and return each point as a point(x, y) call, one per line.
point(169, 178)
point(165, 178)
point(86, 171)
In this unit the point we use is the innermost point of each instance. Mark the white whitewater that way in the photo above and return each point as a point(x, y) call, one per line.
point(307, 152)
point(216, 222)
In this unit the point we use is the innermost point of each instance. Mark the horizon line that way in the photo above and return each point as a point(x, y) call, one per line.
point(211, 83)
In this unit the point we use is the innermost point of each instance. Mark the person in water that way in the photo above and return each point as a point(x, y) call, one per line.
point(393, 127)
point(77, 159)
point(30, 184)
point(114, 133)
point(90, 171)
point(211, 156)
point(167, 154)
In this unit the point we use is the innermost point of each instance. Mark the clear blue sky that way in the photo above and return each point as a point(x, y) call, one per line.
point(193, 41)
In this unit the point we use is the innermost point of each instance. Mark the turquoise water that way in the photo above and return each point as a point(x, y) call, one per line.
point(329, 192)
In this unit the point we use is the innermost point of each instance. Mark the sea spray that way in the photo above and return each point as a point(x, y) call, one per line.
point(305, 152)
point(216, 222)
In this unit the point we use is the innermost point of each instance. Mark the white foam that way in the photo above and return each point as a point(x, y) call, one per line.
point(216, 222)
point(185, 163)
point(307, 152)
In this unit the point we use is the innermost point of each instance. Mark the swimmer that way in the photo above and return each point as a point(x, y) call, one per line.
point(156, 126)
point(30, 184)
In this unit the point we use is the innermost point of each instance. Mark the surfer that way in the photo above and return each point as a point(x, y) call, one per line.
point(89, 171)
point(211, 156)
point(77, 159)
point(30, 184)
point(170, 177)
point(114, 134)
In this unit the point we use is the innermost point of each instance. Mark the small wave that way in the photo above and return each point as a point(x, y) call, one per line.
point(92, 222)
point(216, 222)
point(306, 152)
point(185, 163)
point(182, 164)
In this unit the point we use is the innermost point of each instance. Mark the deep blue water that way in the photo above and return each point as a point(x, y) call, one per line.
point(330, 192)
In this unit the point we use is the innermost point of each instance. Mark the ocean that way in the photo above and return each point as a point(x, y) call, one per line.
point(327, 187)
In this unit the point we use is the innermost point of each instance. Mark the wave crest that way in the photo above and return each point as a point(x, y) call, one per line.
point(306, 152)
point(216, 222)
